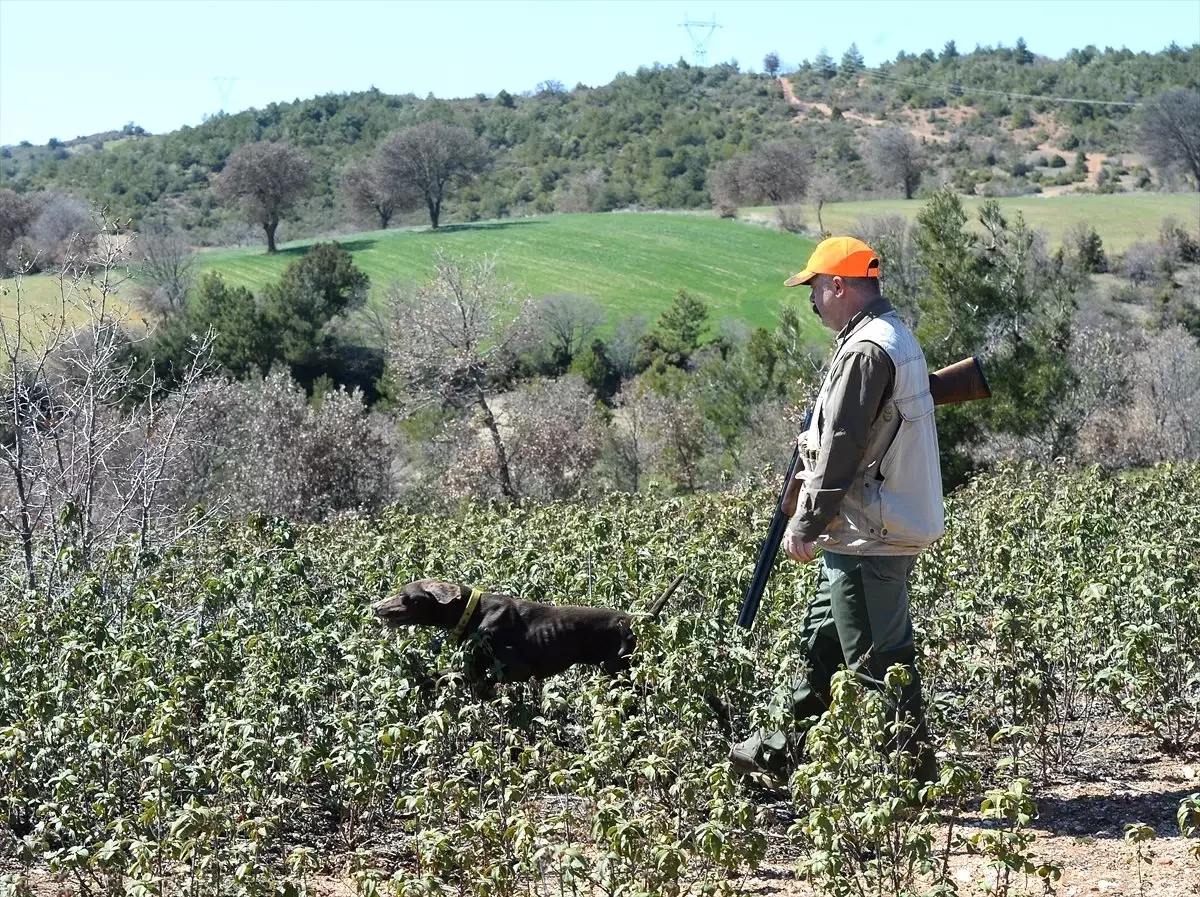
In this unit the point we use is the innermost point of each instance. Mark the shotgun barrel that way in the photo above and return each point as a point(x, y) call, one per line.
point(963, 381)
point(770, 547)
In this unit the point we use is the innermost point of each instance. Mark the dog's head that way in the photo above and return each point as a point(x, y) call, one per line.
point(425, 602)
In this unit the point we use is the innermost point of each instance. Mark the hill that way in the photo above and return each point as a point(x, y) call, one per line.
point(629, 263)
point(990, 120)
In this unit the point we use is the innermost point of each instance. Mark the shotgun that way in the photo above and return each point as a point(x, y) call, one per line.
point(963, 381)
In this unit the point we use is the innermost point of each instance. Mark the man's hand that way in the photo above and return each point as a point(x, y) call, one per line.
point(797, 549)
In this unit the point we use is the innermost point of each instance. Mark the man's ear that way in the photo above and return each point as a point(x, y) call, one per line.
point(837, 285)
point(444, 592)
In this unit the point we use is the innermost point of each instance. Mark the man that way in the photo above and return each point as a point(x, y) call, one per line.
point(871, 498)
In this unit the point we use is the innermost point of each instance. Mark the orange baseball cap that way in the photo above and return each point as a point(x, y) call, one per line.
point(844, 256)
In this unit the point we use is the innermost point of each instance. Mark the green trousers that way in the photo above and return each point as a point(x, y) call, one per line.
point(859, 617)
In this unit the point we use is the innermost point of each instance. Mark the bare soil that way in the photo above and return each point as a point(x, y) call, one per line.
point(1080, 826)
point(916, 122)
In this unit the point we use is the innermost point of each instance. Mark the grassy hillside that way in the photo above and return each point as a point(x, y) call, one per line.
point(1119, 219)
point(41, 296)
point(630, 263)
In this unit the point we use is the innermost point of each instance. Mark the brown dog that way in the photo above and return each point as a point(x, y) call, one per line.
point(527, 640)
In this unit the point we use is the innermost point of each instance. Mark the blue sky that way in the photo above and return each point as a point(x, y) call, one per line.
point(71, 68)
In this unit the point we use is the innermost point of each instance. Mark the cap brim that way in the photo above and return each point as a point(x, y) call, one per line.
point(799, 280)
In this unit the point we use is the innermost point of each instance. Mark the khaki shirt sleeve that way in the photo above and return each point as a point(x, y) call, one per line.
point(858, 391)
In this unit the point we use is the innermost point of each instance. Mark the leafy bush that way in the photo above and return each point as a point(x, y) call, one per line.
point(1087, 247)
point(232, 712)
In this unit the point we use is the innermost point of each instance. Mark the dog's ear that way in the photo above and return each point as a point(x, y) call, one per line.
point(444, 592)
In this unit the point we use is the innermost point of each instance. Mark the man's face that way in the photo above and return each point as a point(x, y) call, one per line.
point(826, 292)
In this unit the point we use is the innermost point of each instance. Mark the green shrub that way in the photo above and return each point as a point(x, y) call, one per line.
point(232, 712)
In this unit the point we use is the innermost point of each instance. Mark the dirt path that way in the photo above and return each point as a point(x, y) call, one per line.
point(823, 108)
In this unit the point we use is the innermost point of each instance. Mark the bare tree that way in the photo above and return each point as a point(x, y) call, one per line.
point(63, 230)
point(1166, 385)
point(770, 434)
point(554, 435)
point(629, 447)
point(771, 64)
point(88, 442)
point(625, 346)
point(891, 236)
point(268, 178)
point(580, 192)
point(370, 193)
point(895, 157)
point(168, 266)
point(682, 437)
point(1170, 131)
point(450, 334)
point(1142, 262)
point(281, 454)
point(566, 323)
point(1100, 364)
point(17, 212)
point(430, 159)
point(725, 187)
point(776, 173)
point(822, 188)
point(790, 217)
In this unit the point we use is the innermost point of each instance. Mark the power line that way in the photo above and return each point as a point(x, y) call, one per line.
point(224, 88)
point(960, 89)
point(700, 33)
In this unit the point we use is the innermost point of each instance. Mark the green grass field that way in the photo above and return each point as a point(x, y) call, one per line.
point(629, 263)
point(1120, 219)
point(634, 263)
point(40, 299)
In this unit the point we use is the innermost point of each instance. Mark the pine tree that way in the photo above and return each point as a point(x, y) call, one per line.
point(1022, 55)
point(825, 65)
point(852, 61)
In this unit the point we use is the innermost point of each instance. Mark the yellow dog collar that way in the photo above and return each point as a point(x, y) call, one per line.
point(468, 612)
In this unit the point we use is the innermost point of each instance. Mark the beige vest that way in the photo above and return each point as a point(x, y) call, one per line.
point(895, 503)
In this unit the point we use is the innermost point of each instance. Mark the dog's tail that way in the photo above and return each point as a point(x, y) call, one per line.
point(657, 606)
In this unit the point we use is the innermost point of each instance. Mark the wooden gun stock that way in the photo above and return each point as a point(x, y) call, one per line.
point(963, 381)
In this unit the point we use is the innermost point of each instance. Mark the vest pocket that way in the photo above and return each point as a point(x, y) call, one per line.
point(911, 409)
point(872, 506)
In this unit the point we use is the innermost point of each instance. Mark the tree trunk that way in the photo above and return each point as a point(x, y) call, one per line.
point(908, 188)
point(384, 218)
point(489, 421)
point(820, 226)
point(435, 211)
point(17, 466)
point(269, 226)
